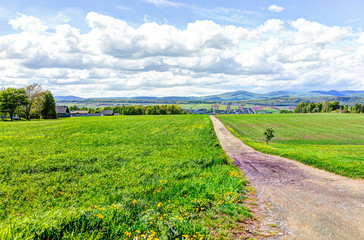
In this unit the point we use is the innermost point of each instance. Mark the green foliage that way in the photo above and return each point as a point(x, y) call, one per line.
point(117, 178)
point(11, 99)
point(285, 111)
point(34, 94)
point(333, 142)
point(149, 110)
point(301, 107)
point(49, 106)
point(357, 108)
point(268, 133)
point(327, 107)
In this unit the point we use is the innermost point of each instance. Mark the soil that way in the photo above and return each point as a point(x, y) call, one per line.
point(295, 201)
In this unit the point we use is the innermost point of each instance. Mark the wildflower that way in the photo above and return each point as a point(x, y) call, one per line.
point(100, 215)
point(137, 231)
point(135, 201)
point(143, 236)
point(159, 204)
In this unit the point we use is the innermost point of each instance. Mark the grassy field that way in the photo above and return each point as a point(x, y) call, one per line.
point(333, 142)
point(135, 177)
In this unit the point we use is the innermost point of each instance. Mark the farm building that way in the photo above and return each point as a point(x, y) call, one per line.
point(107, 112)
point(63, 111)
point(95, 114)
point(80, 113)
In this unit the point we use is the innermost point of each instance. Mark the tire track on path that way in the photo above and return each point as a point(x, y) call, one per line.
point(307, 202)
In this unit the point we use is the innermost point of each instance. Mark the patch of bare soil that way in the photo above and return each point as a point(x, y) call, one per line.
point(295, 201)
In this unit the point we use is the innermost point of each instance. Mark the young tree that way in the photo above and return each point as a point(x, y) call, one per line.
point(11, 99)
point(346, 108)
point(268, 134)
point(34, 94)
point(356, 108)
point(326, 107)
point(49, 106)
point(335, 105)
point(310, 107)
point(301, 107)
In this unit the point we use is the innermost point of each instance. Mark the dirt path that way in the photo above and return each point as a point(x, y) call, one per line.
point(307, 203)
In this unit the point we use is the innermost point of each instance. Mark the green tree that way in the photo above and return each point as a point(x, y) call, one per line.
point(269, 134)
point(49, 106)
point(34, 94)
point(356, 108)
point(74, 108)
point(311, 107)
point(326, 107)
point(335, 105)
point(301, 107)
point(11, 99)
point(346, 108)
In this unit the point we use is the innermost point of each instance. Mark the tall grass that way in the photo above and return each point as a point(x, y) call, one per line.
point(145, 177)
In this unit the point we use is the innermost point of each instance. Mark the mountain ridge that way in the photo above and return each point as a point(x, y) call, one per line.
point(236, 96)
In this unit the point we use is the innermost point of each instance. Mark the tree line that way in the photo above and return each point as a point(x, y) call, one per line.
point(30, 102)
point(169, 109)
point(328, 106)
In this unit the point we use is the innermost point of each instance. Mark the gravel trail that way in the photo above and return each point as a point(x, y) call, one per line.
point(304, 202)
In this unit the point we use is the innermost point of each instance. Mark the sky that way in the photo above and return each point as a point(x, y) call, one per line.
point(125, 48)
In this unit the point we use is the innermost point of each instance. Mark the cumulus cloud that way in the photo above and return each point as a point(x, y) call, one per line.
point(114, 58)
point(275, 8)
point(27, 23)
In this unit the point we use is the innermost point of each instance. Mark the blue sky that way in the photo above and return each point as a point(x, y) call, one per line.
point(165, 47)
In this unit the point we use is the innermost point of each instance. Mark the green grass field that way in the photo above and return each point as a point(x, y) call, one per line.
point(134, 177)
point(333, 142)
point(202, 106)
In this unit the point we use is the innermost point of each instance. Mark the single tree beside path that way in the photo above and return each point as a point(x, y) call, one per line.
point(268, 134)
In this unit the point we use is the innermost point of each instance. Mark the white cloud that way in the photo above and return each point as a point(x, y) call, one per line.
point(275, 8)
point(314, 32)
point(116, 59)
point(27, 23)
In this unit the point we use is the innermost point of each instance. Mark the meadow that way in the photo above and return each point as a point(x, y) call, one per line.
point(333, 142)
point(122, 177)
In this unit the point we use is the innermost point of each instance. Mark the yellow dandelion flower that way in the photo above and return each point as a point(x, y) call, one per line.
point(135, 201)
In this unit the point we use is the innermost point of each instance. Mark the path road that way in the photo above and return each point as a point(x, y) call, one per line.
point(311, 203)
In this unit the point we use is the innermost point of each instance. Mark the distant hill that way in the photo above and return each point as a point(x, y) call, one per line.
point(237, 96)
point(294, 101)
point(335, 93)
point(63, 98)
point(245, 95)
point(171, 98)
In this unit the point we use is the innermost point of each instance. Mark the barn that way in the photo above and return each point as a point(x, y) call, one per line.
point(63, 111)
